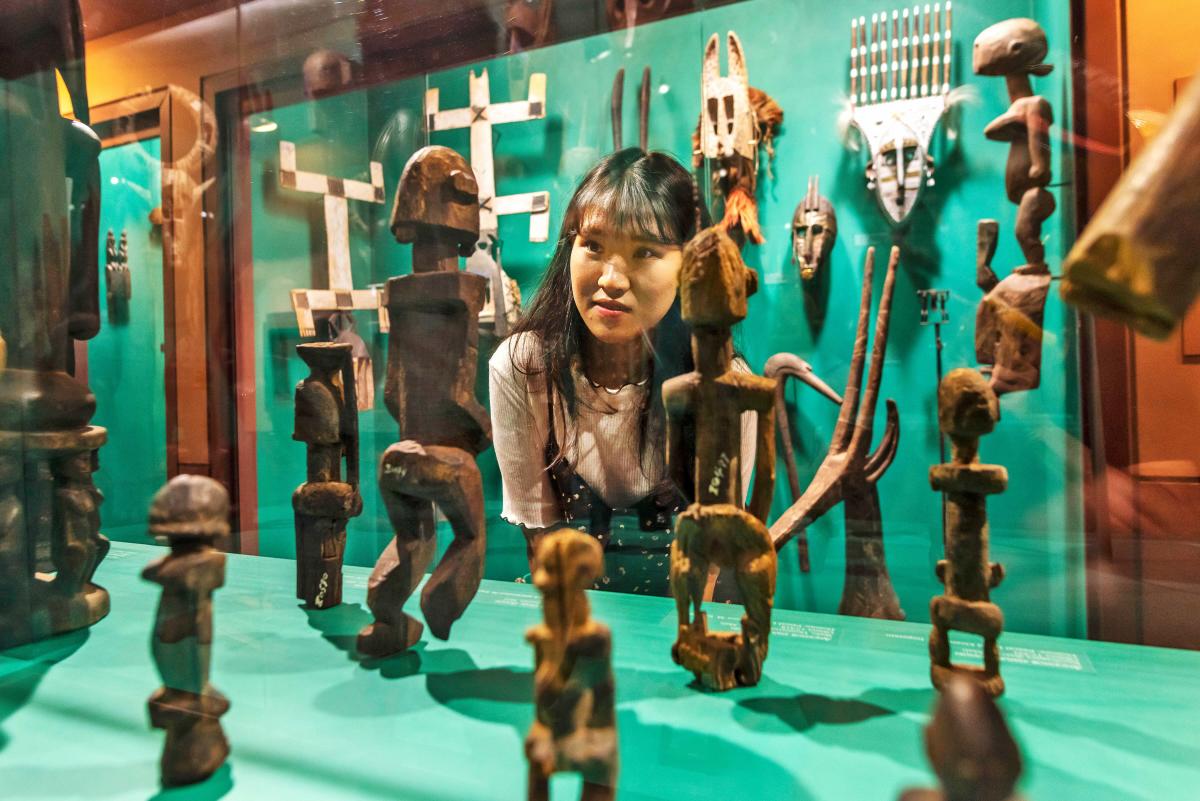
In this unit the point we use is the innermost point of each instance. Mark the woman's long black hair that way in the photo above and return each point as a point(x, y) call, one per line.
point(647, 195)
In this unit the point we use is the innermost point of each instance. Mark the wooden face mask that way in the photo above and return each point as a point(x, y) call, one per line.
point(727, 127)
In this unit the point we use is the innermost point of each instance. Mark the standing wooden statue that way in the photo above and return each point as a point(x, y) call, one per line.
point(327, 422)
point(576, 728)
point(433, 348)
point(717, 530)
point(191, 514)
point(967, 409)
point(50, 541)
point(970, 747)
point(1008, 324)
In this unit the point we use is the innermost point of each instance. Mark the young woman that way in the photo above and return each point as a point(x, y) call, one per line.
point(576, 391)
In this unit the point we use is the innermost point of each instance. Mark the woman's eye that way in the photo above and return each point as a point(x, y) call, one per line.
point(592, 246)
point(646, 253)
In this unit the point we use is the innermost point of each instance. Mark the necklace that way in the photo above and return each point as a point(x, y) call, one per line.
point(616, 390)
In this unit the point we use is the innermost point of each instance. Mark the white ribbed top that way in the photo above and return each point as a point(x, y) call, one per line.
point(601, 443)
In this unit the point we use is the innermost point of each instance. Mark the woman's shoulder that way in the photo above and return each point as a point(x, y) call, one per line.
point(517, 358)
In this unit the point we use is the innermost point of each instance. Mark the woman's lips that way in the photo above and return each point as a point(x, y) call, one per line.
point(610, 309)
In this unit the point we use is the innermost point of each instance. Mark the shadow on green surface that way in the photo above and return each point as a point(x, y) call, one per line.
point(215, 786)
point(22, 669)
point(802, 712)
point(339, 625)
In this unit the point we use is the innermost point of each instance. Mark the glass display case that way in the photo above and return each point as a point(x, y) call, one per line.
point(638, 398)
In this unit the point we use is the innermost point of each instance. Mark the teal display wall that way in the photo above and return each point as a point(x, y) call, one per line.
point(126, 363)
point(798, 52)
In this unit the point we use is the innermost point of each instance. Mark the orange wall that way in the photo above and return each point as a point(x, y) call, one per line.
point(1161, 47)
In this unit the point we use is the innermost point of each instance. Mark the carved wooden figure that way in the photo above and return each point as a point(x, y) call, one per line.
point(1008, 324)
point(50, 541)
point(967, 409)
point(970, 747)
point(849, 472)
point(814, 231)
point(327, 422)
point(191, 514)
point(432, 354)
point(1135, 262)
point(717, 530)
point(575, 729)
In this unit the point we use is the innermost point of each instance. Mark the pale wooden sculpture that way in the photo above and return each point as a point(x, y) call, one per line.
point(967, 409)
point(970, 747)
point(849, 472)
point(433, 348)
point(716, 529)
point(1136, 261)
point(50, 541)
point(575, 729)
point(780, 368)
point(1008, 324)
point(327, 422)
point(191, 514)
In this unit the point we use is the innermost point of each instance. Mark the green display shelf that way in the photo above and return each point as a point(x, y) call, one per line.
point(838, 715)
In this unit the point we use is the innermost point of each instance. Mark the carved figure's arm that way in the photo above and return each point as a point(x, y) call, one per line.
point(1039, 117)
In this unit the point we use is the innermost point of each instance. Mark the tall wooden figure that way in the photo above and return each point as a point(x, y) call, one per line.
point(575, 728)
point(50, 541)
point(1008, 323)
point(717, 529)
point(967, 409)
point(433, 348)
point(327, 422)
point(190, 513)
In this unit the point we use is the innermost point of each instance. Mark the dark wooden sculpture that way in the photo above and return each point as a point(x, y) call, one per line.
point(1008, 324)
point(618, 96)
point(780, 368)
point(50, 541)
point(117, 288)
point(528, 24)
point(970, 747)
point(327, 422)
point(716, 530)
point(433, 348)
point(849, 472)
point(1135, 262)
point(967, 409)
point(191, 514)
point(814, 230)
point(575, 729)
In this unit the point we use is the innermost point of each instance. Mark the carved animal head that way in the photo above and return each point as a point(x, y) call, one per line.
point(969, 745)
point(727, 123)
point(190, 508)
point(1011, 47)
point(967, 405)
point(714, 282)
point(814, 230)
point(437, 191)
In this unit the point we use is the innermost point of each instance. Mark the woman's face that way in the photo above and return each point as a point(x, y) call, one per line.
point(623, 286)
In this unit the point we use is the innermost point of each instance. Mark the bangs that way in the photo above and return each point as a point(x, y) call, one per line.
point(627, 202)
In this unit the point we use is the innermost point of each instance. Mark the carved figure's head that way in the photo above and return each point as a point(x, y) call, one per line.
point(714, 282)
point(896, 173)
point(326, 72)
point(77, 466)
point(437, 191)
point(727, 123)
point(814, 231)
point(969, 745)
point(190, 508)
point(568, 562)
point(628, 13)
point(967, 405)
point(528, 23)
point(1011, 47)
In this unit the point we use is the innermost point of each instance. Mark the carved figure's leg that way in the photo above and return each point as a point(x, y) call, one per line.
point(539, 784)
point(868, 590)
point(689, 567)
point(756, 569)
point(322, 511)
point(593, 791)
point(397, 573)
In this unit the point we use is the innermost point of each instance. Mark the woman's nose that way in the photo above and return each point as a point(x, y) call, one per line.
point(613, 280)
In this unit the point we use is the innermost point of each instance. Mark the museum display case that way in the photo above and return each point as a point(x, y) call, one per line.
point(632, 399)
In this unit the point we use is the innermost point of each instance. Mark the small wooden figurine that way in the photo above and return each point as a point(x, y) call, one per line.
point(433, 349)
point(575, 729)
point(191, 514)
point(1135, 262)
point(849, 472)
point(970, 747)
point(1008, 324)
point(327, 422)
point(717, 530)
point(967, 409)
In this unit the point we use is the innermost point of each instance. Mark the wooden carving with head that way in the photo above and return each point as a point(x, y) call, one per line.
point(433, 349)
point(575, 728)
point(717, 530)
point(967, 409)
point(1008, 324)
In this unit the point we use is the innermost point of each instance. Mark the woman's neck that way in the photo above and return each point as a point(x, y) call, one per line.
point(614, 365)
